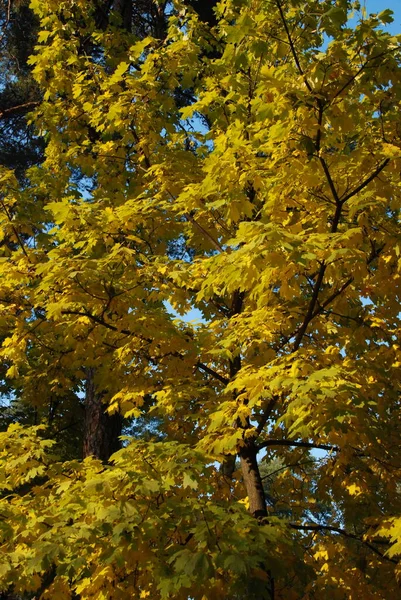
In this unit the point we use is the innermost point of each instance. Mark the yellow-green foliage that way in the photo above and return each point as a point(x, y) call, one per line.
point(285, 209)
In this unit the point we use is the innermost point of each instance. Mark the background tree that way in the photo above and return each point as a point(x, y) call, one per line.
point(19, 147)
point(77, 417)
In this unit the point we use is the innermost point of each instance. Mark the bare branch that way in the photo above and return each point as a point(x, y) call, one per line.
point(12, 109)
point(268, 443)
point(213, 373)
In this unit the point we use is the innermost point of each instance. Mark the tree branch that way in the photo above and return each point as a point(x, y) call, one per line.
point(213, 373)
point(311, 313)
point(17, 235)
point(364, 66)
point(266, 414)
point(293, 51)
point(343, 532)
point(290, 466)
point(329, 180)
point(334, 295)
point(205, 233)
point(268, 443)
point(18, 107)
point(99, 321)
point(367, 180)
point(311, 308)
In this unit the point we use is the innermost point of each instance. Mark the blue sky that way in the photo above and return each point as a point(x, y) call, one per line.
point(376, 6)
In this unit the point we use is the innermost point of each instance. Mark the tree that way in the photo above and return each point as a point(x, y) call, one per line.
point(19, 147)
point(278, 219)
point(97, 433)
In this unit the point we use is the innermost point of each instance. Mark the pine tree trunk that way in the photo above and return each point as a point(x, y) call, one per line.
point(101, 430)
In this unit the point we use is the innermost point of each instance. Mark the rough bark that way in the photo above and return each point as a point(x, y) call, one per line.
point(101, 430)
point(252, 480)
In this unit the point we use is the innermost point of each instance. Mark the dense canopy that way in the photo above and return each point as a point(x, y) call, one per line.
point(241, 158)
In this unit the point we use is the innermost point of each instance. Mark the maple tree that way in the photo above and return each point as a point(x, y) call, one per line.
point(245, 163)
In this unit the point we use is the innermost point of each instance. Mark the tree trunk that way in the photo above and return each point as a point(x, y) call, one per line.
point(257, 502)
point(124, 8)
point(253, 481)
point(101, 430)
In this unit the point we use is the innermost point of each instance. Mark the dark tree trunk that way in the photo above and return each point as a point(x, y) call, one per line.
point(101, 430)
point(253, 481)
point(250, 468)
point(205, 10)
point(124, 8)
point(257, 505)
